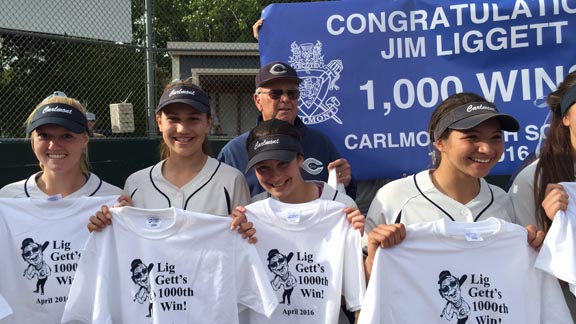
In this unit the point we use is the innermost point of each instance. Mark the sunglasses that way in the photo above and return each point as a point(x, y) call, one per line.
point(32, 251)
point(446, 288)
point(277, 263)
point(276, 94)
point(140, 274)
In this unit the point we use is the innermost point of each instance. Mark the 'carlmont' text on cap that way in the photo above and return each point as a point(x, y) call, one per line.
point(188, 95)
point(60, 114)
point(273, 147)
point(481, 106)
point(472, 114)
point(181, 92)
point(56, 109)
point(265, 142)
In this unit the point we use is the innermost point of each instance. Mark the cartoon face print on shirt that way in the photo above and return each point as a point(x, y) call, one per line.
point(33, 254)
point(450, 291)
point(278, 265)
point(141, 277)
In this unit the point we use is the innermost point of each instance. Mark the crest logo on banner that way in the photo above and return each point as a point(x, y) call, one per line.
point(318, 80)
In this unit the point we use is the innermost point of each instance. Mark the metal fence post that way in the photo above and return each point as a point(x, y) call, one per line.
point(150, 81)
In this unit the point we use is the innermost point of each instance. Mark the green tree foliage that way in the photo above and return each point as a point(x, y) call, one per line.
point(33, 66)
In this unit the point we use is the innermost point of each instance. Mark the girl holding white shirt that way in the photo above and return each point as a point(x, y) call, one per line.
point(466, 132)
point(186, 177)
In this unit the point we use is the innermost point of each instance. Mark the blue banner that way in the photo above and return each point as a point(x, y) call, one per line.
point(374, 71)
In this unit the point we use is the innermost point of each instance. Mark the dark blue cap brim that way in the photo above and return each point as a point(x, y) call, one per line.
point(507, 122)
point(201, 107)
point(53, 120)
point(60, 114)
point(278, 155)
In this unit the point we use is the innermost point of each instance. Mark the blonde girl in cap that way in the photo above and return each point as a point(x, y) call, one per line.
point(187, 177)
point(58, 132)
point(466, 133)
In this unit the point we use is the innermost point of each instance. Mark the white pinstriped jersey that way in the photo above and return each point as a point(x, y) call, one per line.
point(217, 189)
point(415, 199)
point(28, 188)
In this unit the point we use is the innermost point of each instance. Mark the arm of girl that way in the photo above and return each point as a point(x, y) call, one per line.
point(555, 199)
point(385, 236)
point(535, 237)
point(241, 223)
point(355, 218)
point(256, 28)
point(103, 217)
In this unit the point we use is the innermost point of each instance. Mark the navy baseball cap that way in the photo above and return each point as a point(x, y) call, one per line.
point(59, 114)
point(273, 147)
point(276, 71)
point(187, 95)
point(471, 115)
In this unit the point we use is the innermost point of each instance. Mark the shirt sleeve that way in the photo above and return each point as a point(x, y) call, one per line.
point(253, 289)
point(234, 153)
point(5, 309)
point(553, 308)
point(370, 312)
point(521, 194)
point(88, 291)
point(375, 217)
point(223, 154)
point(558, 254)
point(240, 193)
point(7, 251)
point(354, 285)
point(9, 288)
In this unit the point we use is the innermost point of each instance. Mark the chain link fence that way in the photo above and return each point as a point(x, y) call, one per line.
point(115, 56)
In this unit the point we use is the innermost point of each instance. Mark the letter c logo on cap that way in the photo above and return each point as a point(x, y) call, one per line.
point(278, 69)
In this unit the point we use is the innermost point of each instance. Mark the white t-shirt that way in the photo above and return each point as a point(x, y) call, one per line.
point(558, 253)
point(28, 188)
point(5, 309)
point(328, 193)
point(411, 200)
point(313, 257)
point(217, 189)
point(172, 265)
point(447, 271)
point(521, 194)
point(41, 252)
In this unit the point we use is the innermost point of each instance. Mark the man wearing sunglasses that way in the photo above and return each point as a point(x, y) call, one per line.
point(276, 96)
